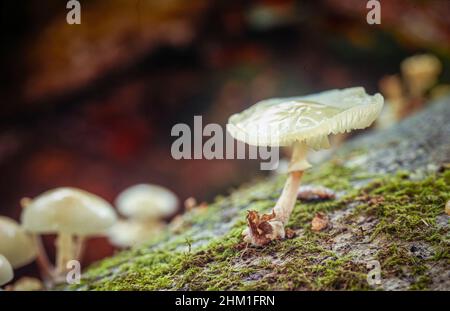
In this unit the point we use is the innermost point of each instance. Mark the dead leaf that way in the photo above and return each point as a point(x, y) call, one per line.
point(259, 226)
point(443, 167)
point(290, 233)
point(319, 222)
point(371, 200)
point(315, 193)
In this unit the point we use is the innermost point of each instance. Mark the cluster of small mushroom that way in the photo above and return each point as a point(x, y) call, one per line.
point(74, 215)
point(301, 122)
point(408, 92)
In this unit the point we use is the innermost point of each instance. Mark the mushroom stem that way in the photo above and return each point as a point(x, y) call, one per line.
point(286, 202)
point(64, 251)
point(45, 267)
point(79, 247)
point(263, 229)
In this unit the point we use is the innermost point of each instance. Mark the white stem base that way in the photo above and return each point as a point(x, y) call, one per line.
point(263, 229)
point(286, 202)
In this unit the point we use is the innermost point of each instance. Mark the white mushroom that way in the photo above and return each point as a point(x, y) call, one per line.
point(146, 202)
point(397, 106)
point(69, 213)
point(300, 122)
point(15, 244)
point(421, 72)
point(6, 271)
point(126, 233)
point(144, 205)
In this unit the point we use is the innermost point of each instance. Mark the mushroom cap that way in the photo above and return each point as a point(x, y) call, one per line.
point(6, 271)
point(422, 64)
point(306, 119)
point(146, 201)
point(127, 233)
point(15, 244)
point(68, 210)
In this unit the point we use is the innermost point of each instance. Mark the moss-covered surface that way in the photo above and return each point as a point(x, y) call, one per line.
point(381, 212)
point(387, 215)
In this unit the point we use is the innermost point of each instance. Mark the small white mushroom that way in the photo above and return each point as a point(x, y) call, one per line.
point(396, 109)
point(145, 206)
point(300, 122)
point(69, 213)
point(15, 244)
point(146, 202)
point(6, 271)
point(420, 72)
point(126, 233)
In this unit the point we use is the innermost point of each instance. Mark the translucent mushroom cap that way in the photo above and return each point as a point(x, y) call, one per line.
point(15, 244)
point(68, 210)
point(307, 119)
point(146, 201)
point(6, 271)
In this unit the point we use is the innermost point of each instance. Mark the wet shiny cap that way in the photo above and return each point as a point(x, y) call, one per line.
point(306, 119)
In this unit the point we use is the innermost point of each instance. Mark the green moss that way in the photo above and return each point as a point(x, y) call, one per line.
point(208, 253)
point(408, 209)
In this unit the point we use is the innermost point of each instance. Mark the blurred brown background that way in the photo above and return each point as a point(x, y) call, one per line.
point(92, 105)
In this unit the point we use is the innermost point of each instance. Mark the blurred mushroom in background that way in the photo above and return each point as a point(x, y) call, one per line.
point(73, 215)
point(420, 73)
point(407, 94)
point(395, 108)
point(145, 206)
point(15, 244)
point(6, 271)
point(26, 284)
